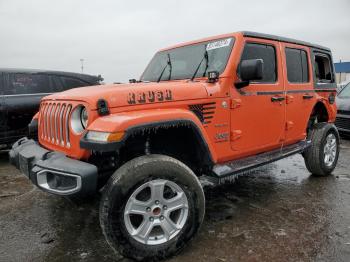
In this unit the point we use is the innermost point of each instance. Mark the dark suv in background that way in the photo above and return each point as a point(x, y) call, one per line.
point(21, 91)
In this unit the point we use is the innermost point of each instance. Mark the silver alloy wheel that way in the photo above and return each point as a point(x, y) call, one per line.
point(330, 150)
point(156, 212)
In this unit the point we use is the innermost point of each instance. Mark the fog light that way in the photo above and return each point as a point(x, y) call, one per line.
point(58, 182)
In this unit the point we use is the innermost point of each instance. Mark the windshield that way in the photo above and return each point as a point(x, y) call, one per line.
point(182, 62)
point(345, 92)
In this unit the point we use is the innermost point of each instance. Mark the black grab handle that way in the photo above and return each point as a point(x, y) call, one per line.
point(277, 98)
point(307, 96)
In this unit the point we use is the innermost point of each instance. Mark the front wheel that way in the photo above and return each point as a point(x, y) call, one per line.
point(322, 156)
point(152, 206)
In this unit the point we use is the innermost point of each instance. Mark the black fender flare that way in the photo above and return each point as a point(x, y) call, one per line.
point(133, 130)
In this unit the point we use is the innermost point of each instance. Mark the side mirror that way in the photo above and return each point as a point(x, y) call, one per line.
point(250, 70)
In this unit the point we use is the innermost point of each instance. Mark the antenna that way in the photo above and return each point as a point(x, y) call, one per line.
point(82, 64)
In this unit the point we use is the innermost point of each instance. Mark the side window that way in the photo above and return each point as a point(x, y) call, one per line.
point(268, 54)
point(27, 84)
point(56, 84)
point(70, 82)
point(1, 84)
point(297, 66)
point(323, 68)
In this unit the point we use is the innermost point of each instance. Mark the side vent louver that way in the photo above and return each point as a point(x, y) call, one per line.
point(204, 112)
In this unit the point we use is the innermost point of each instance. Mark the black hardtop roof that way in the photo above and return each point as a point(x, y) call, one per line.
point(283, 39)
point(84, 77)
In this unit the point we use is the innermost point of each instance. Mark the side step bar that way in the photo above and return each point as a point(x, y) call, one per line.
point(244, 164)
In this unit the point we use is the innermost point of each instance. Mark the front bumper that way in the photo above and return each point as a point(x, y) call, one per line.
point(52, 171)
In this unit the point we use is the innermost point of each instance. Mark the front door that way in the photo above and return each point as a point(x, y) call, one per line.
point(258, 110)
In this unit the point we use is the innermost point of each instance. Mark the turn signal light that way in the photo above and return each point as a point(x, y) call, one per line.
point(114, 137)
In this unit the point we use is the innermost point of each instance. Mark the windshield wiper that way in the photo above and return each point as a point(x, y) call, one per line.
point(206, 57)
point(170, 67)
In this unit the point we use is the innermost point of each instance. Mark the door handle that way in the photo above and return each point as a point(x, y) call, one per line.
point(277, 98)
point(307, 96)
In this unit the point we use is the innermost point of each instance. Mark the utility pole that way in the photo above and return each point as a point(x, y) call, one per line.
point(82, 65)
point(340, 73)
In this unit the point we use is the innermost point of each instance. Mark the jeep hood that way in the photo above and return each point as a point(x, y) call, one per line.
point(118, 95)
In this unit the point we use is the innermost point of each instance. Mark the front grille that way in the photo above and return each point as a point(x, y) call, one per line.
point(55, 122)
point(343, 123)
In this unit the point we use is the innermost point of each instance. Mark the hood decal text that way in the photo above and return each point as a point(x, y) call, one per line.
point(149, 97)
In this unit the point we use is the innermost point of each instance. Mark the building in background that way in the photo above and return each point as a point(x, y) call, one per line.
point(342, 70)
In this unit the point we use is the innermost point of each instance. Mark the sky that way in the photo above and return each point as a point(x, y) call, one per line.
point(117, 38)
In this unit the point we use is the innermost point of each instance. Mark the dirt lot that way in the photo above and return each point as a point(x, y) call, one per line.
point(277, 213)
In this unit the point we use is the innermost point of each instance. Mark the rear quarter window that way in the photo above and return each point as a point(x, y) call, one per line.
point(323, 68)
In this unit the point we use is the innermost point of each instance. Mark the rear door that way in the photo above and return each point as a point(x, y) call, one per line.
point(300, 93)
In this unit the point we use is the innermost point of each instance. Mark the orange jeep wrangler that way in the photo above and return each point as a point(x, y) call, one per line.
point(201, 112)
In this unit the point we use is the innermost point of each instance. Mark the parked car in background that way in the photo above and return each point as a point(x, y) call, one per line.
point(343, 115)
point(21, 91)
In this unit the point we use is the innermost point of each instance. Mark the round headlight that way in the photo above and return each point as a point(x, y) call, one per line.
point(84, 117)
point(79, 119)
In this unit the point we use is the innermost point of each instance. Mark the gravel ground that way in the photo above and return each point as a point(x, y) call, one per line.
point(276, 213)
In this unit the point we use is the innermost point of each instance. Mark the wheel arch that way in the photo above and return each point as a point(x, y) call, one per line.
point(320, 110)
point(190, 145)
point(174, 132)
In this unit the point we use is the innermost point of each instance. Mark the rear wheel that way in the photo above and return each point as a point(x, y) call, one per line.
point(151, 207)
point(322, 156)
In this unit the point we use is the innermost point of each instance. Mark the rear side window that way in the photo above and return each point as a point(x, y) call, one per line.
point(27, 84)
point(70, 82)
point(323, 68)
point(297, 65)
point(268, 54)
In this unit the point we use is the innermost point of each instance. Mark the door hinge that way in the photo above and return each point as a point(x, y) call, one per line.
point(236, 103)
point(236, 134)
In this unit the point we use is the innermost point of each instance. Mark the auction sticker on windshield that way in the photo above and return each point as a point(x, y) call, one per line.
point(219, 44)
